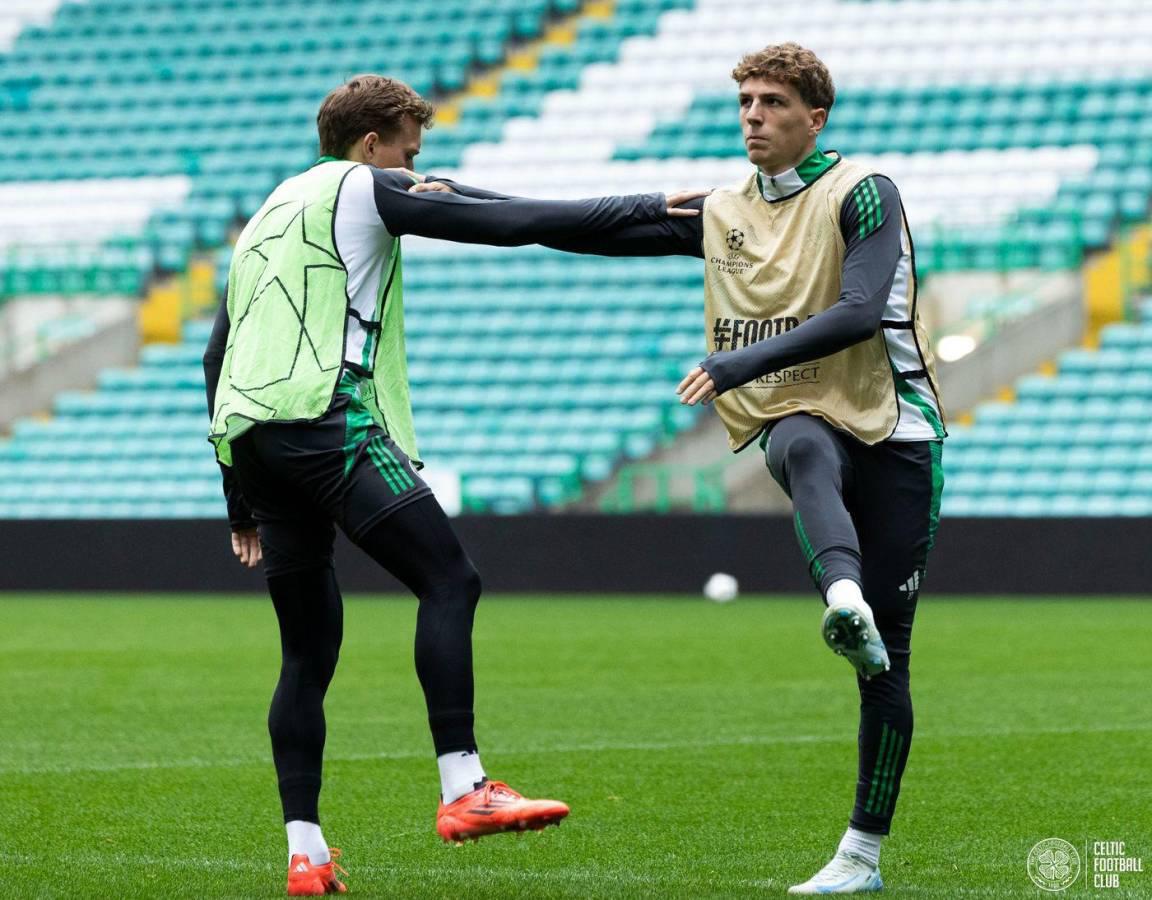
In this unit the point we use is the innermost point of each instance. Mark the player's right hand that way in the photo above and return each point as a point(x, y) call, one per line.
point(697, 387)
point(425, 186)
point(246, 546)
point(415, 176)
point(679, 198)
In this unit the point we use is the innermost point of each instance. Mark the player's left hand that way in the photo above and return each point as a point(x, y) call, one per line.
point(246, 546)
point(697, 387)
point(424, 186)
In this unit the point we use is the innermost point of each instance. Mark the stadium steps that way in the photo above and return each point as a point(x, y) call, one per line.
point(593, 34)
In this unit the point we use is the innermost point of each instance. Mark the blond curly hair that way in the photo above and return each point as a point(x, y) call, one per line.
point(790, 64)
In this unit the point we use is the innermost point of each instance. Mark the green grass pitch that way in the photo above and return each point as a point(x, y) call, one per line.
point(706, 750)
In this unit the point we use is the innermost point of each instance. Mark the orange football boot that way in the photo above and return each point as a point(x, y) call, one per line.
point(307, 880)
point(492, 808)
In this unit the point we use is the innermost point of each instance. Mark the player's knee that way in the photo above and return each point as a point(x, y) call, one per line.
point(469, 582)
point(457, 585)
point(312, 665)
point(324, 665)
point(807, 453)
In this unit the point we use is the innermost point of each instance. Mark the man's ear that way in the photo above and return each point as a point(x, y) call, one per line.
point(819, 119)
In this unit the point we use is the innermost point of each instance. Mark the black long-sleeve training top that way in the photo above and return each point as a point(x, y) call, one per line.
point(481, 218)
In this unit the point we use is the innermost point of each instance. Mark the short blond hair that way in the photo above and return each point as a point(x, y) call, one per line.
point(790, 64)
point(366, 103)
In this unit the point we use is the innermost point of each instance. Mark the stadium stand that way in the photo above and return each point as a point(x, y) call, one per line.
point(1014, 145)
point(1074, 443)
point(205, 108)
point(511, 389)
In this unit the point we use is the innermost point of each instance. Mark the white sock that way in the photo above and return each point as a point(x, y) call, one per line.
point(862, 844)
point(306, 837)
point(460, 772)
point(847, 592)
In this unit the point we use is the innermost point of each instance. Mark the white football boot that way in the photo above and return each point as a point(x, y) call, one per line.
point(850, 631)
point(847, 873)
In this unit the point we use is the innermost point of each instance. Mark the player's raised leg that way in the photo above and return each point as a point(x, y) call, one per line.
point(809, 460)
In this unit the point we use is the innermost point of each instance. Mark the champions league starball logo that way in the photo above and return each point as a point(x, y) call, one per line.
point(734, 239)
point(1053, 864)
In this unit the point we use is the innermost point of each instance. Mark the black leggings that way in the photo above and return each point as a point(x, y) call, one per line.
point(302, 480)
point(415, 543)
point(869, 514)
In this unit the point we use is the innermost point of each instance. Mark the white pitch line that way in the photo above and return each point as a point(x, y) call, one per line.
point(638, 746)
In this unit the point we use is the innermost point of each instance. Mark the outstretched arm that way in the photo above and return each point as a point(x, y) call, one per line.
point(672, 237)
point(504, 222)
point(679, 235)
point(245, 543)
point(872, 238)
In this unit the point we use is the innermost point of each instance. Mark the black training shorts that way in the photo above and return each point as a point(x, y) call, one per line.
point(301, 479)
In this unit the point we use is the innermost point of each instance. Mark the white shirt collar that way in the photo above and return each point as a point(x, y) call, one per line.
point(777, 187)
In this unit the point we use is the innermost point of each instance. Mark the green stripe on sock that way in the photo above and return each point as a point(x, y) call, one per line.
point(401, 472)
point(886, 776)
point(878, 777)
point(383, 467)
point(890, 777)
point(885, 731)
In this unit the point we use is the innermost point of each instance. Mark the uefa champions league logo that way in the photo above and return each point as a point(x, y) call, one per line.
point(1053, 864)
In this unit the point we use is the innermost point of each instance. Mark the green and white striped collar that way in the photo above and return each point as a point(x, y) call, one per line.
point(793, 181)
